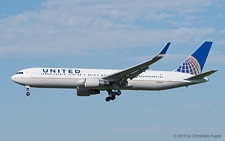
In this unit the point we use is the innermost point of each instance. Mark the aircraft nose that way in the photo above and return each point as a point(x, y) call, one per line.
point(15, 78)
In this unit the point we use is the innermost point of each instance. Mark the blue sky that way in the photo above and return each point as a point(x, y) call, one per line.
point(109, 34)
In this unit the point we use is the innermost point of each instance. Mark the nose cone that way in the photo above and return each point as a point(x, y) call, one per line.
point(15, 78)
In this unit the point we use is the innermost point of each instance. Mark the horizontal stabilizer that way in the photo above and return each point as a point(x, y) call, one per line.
point(202, 75)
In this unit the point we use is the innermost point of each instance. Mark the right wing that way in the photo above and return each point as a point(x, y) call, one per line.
point(134, 71)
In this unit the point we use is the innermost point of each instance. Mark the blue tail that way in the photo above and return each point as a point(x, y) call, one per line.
point(195, 63)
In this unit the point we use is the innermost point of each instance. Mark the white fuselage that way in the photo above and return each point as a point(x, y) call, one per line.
point(76, 77)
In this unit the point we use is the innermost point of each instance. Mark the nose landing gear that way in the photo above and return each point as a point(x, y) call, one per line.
point(27, 89)
point(112, 95)
point(28, 93)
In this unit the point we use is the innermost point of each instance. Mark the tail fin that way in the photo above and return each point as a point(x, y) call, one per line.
point(195, 63)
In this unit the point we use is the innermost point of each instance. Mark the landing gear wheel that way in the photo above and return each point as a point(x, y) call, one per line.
point(27, 89)
point(107, 99)
point(28, 93)
point(118, 92)
point(113, 97)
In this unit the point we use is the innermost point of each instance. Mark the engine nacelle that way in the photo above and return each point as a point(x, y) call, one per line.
point(95, 82)
point(87, 92)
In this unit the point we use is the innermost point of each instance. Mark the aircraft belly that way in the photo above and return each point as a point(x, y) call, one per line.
point(154, 85)
point(55, 82)
point(144, 85)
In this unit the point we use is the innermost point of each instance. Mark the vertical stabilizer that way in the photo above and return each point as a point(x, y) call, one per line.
point(194, 64)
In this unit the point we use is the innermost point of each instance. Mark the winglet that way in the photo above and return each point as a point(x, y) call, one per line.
point(164, 50)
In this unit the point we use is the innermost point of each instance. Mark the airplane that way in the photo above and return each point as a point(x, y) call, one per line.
point(91, 81)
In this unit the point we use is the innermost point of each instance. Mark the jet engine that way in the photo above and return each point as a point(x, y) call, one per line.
point(95, 82)
point(87, 92)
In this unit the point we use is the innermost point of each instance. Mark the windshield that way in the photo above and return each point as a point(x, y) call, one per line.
point(19, 72)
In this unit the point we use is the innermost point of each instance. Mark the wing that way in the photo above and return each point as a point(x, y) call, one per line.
point(134, 71)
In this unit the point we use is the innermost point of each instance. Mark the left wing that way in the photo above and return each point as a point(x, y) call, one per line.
point(134, 71)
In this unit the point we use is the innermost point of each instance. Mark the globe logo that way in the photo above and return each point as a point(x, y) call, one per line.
point(191, 66)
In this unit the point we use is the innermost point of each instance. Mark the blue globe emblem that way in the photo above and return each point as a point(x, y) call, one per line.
point(191, 66)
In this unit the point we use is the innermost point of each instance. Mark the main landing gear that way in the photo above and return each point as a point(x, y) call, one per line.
point(27, 89)
point(112, 95)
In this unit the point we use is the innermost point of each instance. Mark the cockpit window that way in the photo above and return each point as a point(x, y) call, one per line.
point(19, 72)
